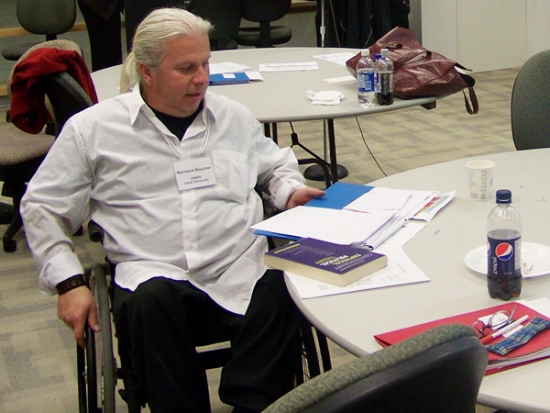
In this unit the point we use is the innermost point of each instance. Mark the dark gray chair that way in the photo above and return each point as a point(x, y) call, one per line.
point(264, 12)
point(225, 15)
point(530, 107)
point(45, 17)
point(439, 370)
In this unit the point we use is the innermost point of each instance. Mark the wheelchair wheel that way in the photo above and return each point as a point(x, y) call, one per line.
point(314, 353)
point(97, 364)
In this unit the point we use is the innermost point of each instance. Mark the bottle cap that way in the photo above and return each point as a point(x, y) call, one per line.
point(385, 52)
point(504, 196)
point(365, 52)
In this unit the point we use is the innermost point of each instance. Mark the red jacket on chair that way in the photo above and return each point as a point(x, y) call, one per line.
point(28, 110)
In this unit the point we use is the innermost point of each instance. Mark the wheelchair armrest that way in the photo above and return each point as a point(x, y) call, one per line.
point(95, 232)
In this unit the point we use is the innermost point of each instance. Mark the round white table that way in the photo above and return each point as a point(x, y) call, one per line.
point(282, 96)
point(439, 249)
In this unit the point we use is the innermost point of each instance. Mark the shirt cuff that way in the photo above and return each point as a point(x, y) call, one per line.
point(58, 269)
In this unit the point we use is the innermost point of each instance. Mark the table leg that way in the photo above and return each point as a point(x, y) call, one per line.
point(315, 172)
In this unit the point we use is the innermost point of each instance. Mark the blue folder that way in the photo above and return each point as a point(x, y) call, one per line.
point(229, 78)
point(337, 196)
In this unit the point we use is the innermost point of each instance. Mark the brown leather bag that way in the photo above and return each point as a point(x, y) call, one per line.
point(419, 72)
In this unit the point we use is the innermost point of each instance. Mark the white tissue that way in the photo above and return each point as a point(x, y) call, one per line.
point(325, 97)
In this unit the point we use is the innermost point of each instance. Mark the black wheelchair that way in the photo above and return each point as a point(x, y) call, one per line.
point(99, 369)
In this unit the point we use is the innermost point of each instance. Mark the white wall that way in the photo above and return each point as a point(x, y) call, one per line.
point(538, 26)
point(486, 34)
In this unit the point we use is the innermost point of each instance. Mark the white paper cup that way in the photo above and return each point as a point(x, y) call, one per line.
point(480, 178)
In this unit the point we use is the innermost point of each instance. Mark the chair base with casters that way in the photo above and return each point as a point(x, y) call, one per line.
point(98, 369)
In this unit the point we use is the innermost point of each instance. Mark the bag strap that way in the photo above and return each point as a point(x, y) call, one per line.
point(470, 101)
point(472, 106)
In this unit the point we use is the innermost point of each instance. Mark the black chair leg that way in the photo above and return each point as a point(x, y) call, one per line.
point(9, 244)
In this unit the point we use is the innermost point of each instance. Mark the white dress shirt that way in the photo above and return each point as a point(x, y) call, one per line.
point(115, 163)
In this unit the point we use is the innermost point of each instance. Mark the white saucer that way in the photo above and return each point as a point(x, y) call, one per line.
point(535, 259)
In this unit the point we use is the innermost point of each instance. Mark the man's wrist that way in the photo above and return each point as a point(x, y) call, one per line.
point(70, 284)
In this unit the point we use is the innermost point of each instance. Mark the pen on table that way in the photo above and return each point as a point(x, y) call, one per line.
point(504, 330)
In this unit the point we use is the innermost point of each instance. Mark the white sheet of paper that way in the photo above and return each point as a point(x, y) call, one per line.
point(400, 270)
point(428, 211)
point(339, 58)
point(380, 198)
point(254, 75)
point(288, 67)
point(541, 305)
point(404, 235)
point(227, 67)
point(341, 79)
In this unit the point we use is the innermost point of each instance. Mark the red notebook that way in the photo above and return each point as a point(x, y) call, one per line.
point(535, 349)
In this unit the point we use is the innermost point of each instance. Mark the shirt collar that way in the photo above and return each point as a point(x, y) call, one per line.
point(137, 105)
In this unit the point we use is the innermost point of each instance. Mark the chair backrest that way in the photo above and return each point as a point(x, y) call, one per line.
point(439, 370)
point(66, 97)
point(265, 10)
point(225, 15)
point(57, 44)
point(48, 17)
point(530, 106)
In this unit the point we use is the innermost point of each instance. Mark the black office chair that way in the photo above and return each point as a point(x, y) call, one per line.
point(530, 105)
point(225, 15)
point(45, 17)
point(65, 96)
point(264, 12)
point(98, 370)
point(439, 370)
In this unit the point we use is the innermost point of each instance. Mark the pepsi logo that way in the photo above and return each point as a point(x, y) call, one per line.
point(504, 251)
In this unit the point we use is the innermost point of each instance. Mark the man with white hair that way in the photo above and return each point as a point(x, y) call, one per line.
point(168, 170)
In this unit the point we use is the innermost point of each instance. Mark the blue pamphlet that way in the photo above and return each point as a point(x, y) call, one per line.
point(229, 78)
point(339, 194)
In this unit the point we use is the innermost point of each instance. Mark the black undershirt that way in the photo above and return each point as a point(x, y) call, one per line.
point(178, 126)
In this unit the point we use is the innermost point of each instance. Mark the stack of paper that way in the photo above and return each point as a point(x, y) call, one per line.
point(231, 73)
point(352, 214)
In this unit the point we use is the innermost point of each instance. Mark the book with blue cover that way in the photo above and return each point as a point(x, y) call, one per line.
point(324, 261)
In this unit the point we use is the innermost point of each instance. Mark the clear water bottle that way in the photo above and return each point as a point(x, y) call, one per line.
point(504, 248)
point(365, 79)
point(384, 79)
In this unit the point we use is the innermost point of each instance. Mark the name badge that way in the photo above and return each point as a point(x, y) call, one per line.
point(194, 174)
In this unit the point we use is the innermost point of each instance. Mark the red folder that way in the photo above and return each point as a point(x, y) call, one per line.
point(535, 349)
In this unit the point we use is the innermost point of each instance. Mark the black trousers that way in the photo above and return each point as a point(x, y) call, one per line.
point(105, 37)
point(162, 322)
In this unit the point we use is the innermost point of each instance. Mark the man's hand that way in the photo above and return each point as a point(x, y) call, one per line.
point(76, 308)
point(303, 195)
